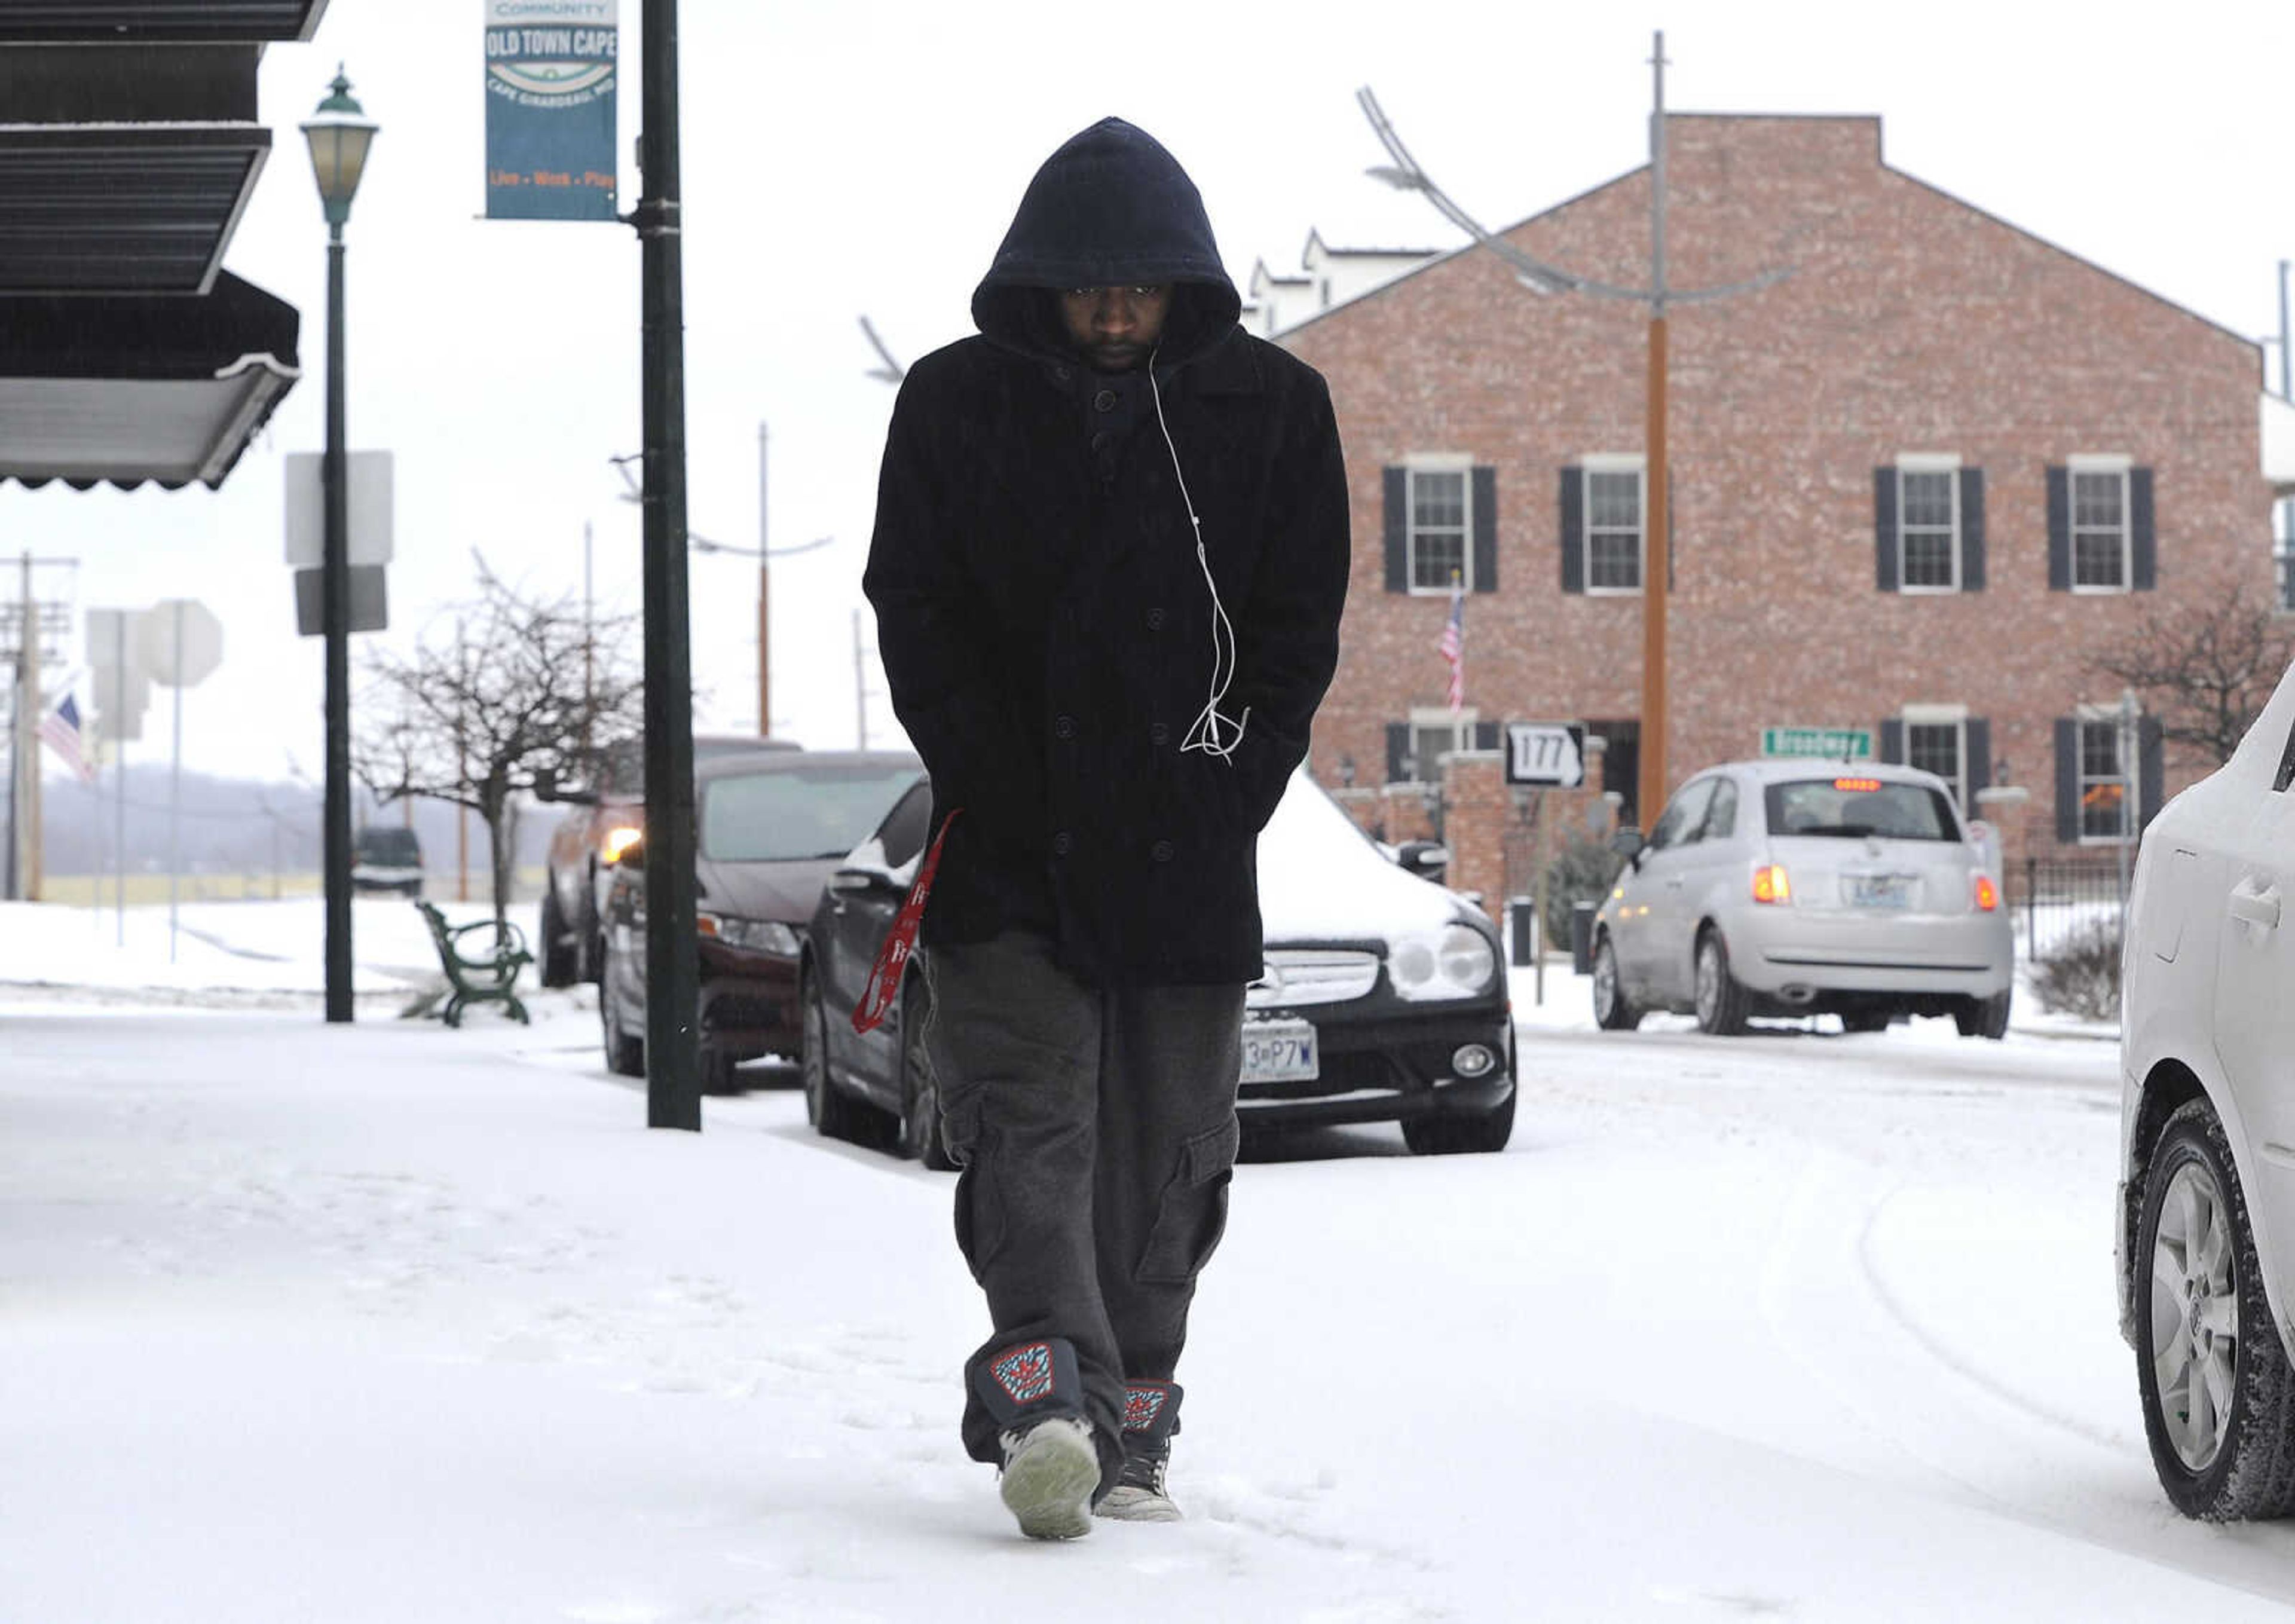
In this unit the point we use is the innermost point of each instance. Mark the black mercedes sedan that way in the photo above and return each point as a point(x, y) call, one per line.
point(772, 830)
point(1384, 996)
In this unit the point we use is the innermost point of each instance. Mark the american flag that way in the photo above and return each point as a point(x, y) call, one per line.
point(1454, 645)
point(62, 731)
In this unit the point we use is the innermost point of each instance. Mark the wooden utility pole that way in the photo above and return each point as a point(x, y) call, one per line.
point(764, 584)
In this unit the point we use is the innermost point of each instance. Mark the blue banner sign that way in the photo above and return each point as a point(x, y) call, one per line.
point(551, 73)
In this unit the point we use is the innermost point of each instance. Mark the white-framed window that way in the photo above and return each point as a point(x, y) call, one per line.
point(1936, 740)
point(2106, 783)
point(1435, 733)
point(1439, 500)
point(1615, 489)
point(2101, 546)
point(1928, 523)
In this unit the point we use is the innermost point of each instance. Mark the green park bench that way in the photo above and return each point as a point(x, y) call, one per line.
point(491, 979)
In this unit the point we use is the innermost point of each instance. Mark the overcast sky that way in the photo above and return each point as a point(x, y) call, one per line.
point(849, 158)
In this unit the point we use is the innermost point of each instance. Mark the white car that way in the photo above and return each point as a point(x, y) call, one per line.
point(1787, 887)
point(2205, 1224)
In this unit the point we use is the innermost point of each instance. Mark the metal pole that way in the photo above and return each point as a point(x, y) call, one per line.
point(463, 763)
point(765, 623)
point(335, 584)
point(18, 732)
point(1657, 556)
point(35, 826)
point(176, 789)
point(673, 969)
point(589, 649)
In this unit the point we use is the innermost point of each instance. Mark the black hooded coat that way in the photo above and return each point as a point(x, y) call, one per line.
point(1047, 630)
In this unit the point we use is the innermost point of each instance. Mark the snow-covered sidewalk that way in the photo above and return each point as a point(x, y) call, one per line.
point(393, 1323)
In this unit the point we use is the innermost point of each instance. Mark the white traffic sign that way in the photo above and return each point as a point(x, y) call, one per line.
point(181, 642)
point(368, 540)
point(1550, 754)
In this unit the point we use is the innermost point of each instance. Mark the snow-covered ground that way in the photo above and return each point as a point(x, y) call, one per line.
point(390, 1322)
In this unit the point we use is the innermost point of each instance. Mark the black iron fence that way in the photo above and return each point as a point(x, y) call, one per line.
point(2064, 897)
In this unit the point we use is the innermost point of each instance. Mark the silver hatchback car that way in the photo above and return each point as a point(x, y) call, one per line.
point(1789, 887)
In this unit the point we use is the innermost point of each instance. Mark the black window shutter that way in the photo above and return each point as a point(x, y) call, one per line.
point(1398, 529)
point(1892, 740)
point(2059, 534)
point(1972, 529)
point(1884, 529)
point(2068, 807)
point(1486, 736)
point(1486, 529)
point(2143, 548)
point(1977, 770)
point(1573, 529)
point(1397, 746)
point(2150, 769)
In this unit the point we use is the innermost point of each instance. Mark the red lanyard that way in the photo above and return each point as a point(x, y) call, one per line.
point(901, 941)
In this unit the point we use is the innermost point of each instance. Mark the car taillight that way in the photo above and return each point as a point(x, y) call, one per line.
point(616, 842)
point(1770, 884)
point(1987, 894)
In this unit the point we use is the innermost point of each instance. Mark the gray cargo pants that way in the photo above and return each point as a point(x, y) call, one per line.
point(1096, 1133)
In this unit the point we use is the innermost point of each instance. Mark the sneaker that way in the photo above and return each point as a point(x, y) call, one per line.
point(1050, 1470)
point(1138, 1495)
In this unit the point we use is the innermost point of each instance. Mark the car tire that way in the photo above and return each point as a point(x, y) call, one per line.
point(2223, 1434)
point(833, 1114)
point(1984, 1017)
point(1453, 1136)
point(1721, 999)
point(557, 952)
point(920, 1136)
point(590, 936)
point(1866, 1020)
point(718, 1076)
point(1613, 1011)
point(624, 1051)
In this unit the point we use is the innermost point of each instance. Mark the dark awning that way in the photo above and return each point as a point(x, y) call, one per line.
point(137, 386)
point(132, 21)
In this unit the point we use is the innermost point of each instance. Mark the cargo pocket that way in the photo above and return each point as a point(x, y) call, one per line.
point(1192, 1215)
point(980, 1227)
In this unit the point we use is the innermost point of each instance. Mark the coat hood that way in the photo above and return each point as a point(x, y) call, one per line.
point(1111, 208)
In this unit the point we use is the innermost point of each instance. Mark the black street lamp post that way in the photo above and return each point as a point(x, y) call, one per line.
point(339, 132)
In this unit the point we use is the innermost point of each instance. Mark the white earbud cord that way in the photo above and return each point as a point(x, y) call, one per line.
point(1210, 730)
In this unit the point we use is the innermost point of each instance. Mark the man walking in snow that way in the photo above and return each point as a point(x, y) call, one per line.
point(1110, 555)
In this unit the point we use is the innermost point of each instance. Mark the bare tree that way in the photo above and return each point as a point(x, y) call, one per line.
point(527, 687)
point(2205, 676)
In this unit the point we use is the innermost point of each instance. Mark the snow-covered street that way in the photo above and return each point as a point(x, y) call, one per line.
point(395, 1323)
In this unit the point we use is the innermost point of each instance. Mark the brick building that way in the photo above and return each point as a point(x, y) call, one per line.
point(1917, 485)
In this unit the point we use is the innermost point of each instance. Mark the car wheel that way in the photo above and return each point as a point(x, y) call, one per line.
point(833, 1114)
point(1866, 1020)
point(1452, 1136)
point(1984, 1017)
point(1720, 997)
point(920, 1135)
point(624, 1051)
point(717, 1073)
point(557, 952)
point(1612, 1011)
point(2218, 1398)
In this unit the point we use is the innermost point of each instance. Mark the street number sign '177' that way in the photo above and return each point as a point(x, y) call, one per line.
point(1546, 753)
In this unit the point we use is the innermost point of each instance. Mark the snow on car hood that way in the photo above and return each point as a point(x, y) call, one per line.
point(1320, 878)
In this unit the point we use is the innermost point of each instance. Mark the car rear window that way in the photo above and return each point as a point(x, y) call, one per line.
point(391, 847)
point(1852, 808)
point(819, 810)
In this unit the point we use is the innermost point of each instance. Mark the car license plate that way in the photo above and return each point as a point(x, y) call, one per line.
point(1881, 890)
point(1279, 1051)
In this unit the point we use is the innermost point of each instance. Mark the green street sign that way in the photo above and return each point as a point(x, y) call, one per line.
point(1835, 743)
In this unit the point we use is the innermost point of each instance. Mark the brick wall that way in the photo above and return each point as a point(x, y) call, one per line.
point(1910, 322)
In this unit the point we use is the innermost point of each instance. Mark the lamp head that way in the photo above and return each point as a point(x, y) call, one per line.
point(339, 132)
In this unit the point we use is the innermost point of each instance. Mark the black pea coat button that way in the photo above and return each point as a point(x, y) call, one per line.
point(1158, 734)
point(1060, 374)
point(1105, 401)
point(1154, 620)
point(1161, 851)
point(1061, 845)
point(1099, 441)
point(1065, 726)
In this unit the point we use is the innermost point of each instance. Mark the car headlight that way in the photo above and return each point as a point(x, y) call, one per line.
point(1455, 962)
point(758, 935)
